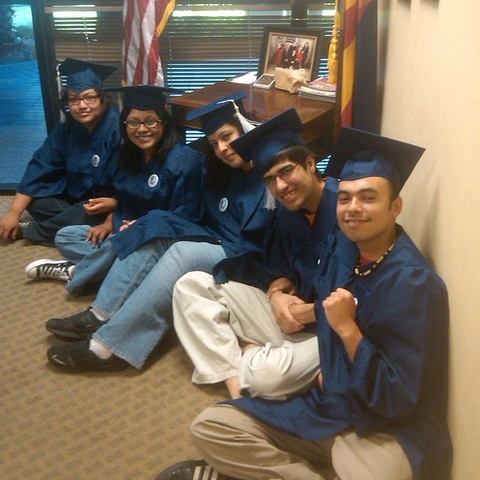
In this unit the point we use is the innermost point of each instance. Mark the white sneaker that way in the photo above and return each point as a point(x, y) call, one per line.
point(46, 269)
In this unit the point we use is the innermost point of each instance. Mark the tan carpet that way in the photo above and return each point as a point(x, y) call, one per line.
point(126, 425)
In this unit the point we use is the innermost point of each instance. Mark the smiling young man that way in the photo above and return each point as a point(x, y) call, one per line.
point(297, 189)
point(379, 410)
point(246, 325)
point(76, 162)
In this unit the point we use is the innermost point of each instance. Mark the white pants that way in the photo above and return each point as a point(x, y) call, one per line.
point(210, 320)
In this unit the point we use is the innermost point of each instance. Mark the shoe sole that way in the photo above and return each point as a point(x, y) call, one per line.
point(65, 368)
point(191, 464)
point(70, 335)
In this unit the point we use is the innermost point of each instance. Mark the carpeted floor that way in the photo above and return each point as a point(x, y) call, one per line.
point(108, 426)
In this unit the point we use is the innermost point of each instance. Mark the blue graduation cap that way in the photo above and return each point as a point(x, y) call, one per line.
point(263, 143)
point(144, 97)
point(358, 154)
point(83, 75)
point(218, 113)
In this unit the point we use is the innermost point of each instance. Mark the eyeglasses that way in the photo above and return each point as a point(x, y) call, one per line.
point(87, 99)
point(285, 173)
point(149, 123)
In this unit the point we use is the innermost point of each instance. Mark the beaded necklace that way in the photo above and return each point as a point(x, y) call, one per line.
point(375, 265)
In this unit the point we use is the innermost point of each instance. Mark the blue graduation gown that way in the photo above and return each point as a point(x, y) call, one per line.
point(73, 162)
point(292, 248)
point(234, 218)
point(175, 185)
point(397, 383)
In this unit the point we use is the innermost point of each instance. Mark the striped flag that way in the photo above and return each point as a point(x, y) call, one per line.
point(143, 22)
point(359, 66)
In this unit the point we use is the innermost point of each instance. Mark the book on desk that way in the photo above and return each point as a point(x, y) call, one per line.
point(319, 89)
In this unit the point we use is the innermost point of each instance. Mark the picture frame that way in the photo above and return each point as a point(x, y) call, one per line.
point(276, 51)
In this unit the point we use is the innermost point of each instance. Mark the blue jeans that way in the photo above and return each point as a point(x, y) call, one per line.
point(126, 275)
point(70, 242)
point(92, 263)
point(137, 295)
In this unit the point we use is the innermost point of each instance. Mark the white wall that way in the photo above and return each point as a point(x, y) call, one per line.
point(432, 98)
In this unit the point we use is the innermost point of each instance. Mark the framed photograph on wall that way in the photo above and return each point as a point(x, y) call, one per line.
point(290, 49)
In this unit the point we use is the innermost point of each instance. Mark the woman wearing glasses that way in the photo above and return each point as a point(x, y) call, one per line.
point(76, 162)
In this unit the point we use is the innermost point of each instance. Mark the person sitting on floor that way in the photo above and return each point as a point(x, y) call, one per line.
point(380, 409)
point(70, 177)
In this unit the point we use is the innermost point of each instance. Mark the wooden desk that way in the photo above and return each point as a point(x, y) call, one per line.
point(261, 105)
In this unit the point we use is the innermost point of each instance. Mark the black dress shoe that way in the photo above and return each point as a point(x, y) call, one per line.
point(77, 357)
point(80, 326)
point(191, 470)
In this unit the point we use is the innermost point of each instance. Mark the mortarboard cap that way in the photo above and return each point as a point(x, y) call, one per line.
point(217, 113)
point(358, 154)
point(83, 75)
point(263, 142)
point(143, 97)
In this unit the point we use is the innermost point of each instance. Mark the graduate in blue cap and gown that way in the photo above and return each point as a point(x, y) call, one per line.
point(379, 410)
point(76, 163)
point(210, 316)
point(134, 300)
point(295, 236)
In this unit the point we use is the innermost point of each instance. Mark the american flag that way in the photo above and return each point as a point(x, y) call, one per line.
point(143, 22)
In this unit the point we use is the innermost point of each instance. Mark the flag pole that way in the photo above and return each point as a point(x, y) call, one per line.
point(333, 48)
point(339, 24)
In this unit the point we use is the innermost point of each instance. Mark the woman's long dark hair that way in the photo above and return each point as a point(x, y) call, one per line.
point(218, 172)
point(131, 156)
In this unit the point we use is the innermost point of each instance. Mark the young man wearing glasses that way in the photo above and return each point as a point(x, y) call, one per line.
point(75, 163)
point(251, 331)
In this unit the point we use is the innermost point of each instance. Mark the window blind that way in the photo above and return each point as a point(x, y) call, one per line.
point(203, 45)
point(203, 42)
point(89, 32)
